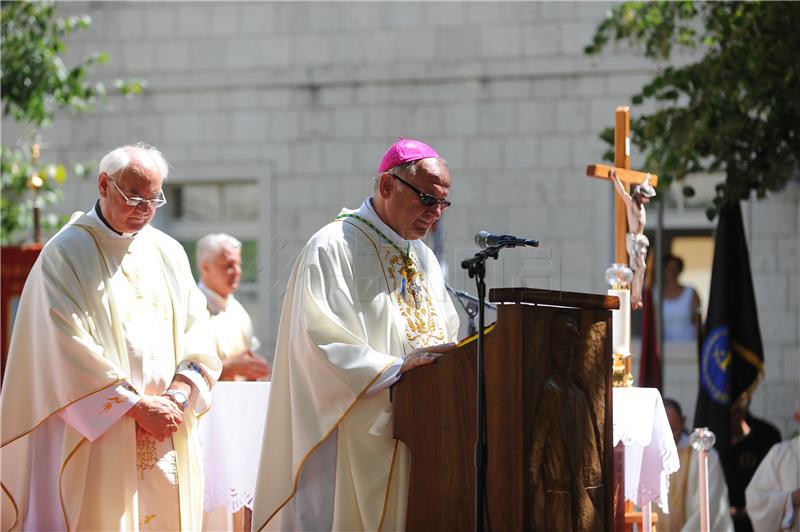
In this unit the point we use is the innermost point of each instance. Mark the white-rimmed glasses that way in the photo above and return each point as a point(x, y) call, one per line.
point(160, 201)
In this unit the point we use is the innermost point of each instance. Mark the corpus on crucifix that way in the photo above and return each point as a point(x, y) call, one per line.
point(630, 243)
point(636, 243)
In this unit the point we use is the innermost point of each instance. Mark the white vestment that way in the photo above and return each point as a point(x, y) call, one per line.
point(769, 494)
point(233, 328)
point(103, 319)
point(684, 495)
point(356, 304)
point(233, 335)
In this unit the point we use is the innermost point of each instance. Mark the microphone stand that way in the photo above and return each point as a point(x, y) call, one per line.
point(476, 267)
point(470, 305)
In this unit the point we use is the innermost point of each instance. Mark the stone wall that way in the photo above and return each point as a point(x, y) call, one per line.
point(289, 107)
point(773, 230)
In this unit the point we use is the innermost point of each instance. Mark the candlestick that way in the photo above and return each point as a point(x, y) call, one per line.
point(701, 441)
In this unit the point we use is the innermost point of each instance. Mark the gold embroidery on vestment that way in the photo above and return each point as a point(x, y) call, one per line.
point(144, 520)
point(414, 303)
point(109, 404)
point(146, 456)
point(143, 293)
point(134, 279)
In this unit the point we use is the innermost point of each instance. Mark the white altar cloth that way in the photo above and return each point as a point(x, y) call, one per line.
point(230, 436)
point(640, 423)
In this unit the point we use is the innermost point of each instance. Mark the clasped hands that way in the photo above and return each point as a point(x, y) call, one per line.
point(157, 415)
point(247, 364)
point(424, 356)
point(160, 415)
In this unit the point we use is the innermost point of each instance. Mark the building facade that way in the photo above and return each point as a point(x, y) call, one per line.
point(274, 116)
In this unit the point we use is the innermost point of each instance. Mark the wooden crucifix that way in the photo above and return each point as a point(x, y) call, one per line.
point(622, 165)
point(628, 177)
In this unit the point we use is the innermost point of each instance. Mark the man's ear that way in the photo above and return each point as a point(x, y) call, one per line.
point(102, 184)
point(385, 185)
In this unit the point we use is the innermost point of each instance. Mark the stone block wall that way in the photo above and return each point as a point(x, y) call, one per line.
point(298, 100)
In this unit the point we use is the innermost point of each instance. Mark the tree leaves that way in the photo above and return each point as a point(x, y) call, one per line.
point(35, 84)
point(736, 109)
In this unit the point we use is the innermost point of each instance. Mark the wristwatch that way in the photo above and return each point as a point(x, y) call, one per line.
point(179, 397)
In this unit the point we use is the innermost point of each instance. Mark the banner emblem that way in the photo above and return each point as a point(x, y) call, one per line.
point(714, 363)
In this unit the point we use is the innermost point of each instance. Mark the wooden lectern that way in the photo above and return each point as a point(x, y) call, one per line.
point(549, 430)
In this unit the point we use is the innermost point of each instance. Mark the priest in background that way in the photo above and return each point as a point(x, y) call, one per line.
point(684, 495)
point(366, 302)
point(109, 366)
point(773, 495)
point(219, 263)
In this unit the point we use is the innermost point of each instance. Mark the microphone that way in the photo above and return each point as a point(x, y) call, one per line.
point(484, 239)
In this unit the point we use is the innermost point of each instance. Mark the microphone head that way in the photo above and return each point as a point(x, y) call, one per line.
point(480, 238)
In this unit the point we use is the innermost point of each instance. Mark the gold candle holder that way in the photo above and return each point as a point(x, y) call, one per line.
point(619, 277)
point(621, 367)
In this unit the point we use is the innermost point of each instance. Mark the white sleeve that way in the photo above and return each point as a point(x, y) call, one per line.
point(766, 501)
point(94, 414)
point(389, 376)
point(200, 397)
point(255, 344)
point(788, 514)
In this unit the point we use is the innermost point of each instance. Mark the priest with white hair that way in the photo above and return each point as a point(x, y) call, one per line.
point(219, 263)
point(109, 367)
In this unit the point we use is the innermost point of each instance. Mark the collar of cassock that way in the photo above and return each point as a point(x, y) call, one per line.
point(366, 213)
point(97, 216)
point(216, 303)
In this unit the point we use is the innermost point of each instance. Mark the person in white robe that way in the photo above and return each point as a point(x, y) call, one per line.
point(773, 494)
point(219, 263)
point(366, 302)
point(684, 493)
point(110, 363)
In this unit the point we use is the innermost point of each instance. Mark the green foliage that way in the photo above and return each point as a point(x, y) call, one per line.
point(35, 80)
point(735, 110)
point(16, 168)
point(35, 84)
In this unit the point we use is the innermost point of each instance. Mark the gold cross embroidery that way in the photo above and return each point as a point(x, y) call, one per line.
point(109, 404)
point(135, 280)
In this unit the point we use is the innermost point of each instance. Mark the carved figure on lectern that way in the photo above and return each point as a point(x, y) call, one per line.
point(636, 242)
point(565, 477)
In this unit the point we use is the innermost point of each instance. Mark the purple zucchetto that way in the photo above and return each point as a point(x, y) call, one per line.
point(405, 151)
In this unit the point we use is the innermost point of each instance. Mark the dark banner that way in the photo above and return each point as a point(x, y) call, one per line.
point(732, 357)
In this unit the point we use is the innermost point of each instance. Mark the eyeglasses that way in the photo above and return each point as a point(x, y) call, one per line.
point(160, 201)
point(428, 200)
